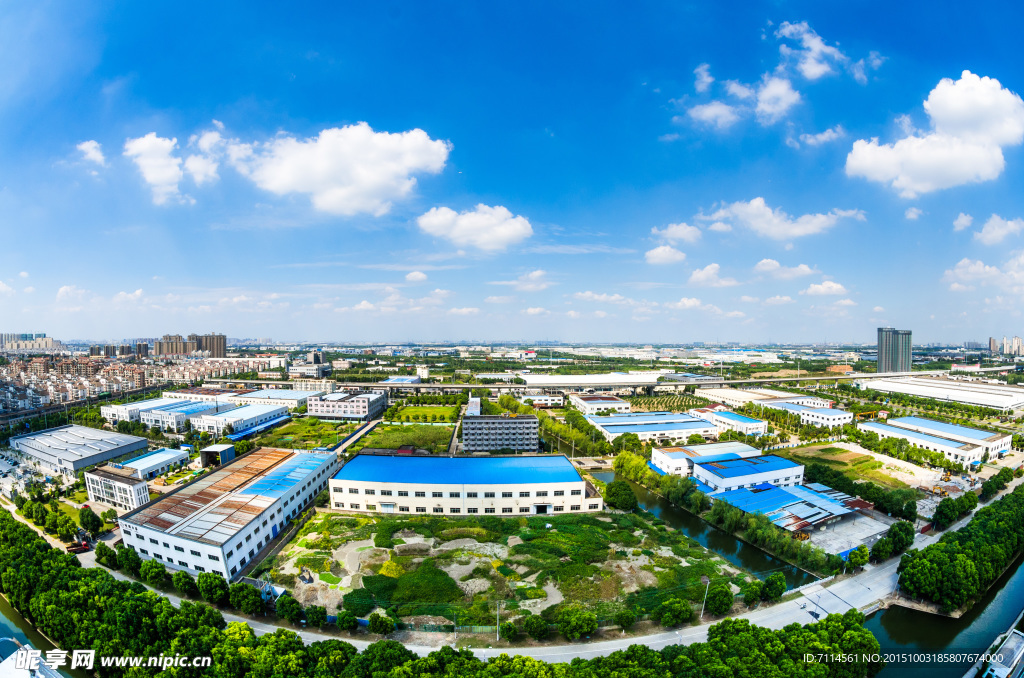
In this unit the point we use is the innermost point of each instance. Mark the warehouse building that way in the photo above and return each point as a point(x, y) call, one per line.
point(503, 486)
point(357, 406)
point(954, 450)
point(992, 443)
point(997, 396)
point(487, 433)
point(657, 427)
point(132, 411)
point(242, 420)
point(679, 460)
point(815, 416)
point(205, 394)
point(592, 404)
point(737, 397)
point(221, 521)
point(732, 474)
point(725, 420)
point(278, 397)
point(69, 449)
point(172, 416)
point(542, 400)
point(797, 508)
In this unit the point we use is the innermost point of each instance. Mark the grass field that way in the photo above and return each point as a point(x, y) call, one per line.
point(428, 413)
point(307, 433)
point(433, 438)
point(856, 465)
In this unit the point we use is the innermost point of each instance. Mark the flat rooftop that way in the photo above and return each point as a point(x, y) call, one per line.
point(155, 458)
point(75, 443)
point(282, 394)
point(709, 449)
point(402, 380)
point(338, 397)
point(600, 399)
point(459, 470)
point(152, 404)
point(209, 391)
point(736, 468)
point(913, 435)
point(247, 411)
point(940, 428)
point(732, 416)
point(647, 428)
point(214, 508)
point(185, 407)
point(636, 419)
point(120, 475)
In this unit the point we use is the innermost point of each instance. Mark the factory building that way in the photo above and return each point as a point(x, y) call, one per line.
point(69, 449)
point(592, 404)
point(679, 460)
point(221, 521)
point(732, 474)
point(725, 420)
point(503, 486)
point(997, 396)
point(205, 394)
point(359, 406)
point(487, 433)
point(279, 397)
point(240, 419)
point(737, 397)
point(959, 444)
point(653, 426)
point(542, 400)
point(995, 444)
point(815, 416)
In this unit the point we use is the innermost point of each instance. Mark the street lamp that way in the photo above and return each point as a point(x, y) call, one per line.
point(704, 579)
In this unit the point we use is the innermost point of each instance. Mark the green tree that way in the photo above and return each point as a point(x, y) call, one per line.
point(153, 572)
point(774, 587)
point(128, 560)
point(536, 627)
point(346, 621)
point(212, 587)
point(882, 549)
point(720, 599)
point(106, 555)
point(695, 439)
point(509, 631)
point(858, 557)
point(625, 619)
point(245, 597)
point(316, 616)
point(574, 621)
point(901, 535)
point(89, 521)
point(619, 494)
point(752, 593)
point(289, 608)
point(184, 583)
point(945, 513)
point(674, 612)
point(380, 624)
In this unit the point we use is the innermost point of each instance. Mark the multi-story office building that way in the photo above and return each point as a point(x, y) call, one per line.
point(541, 400)
point(69, 449)
point(116, 486)
point(223, 520)
point(275, 396)
point(680, 460)
point(894, 350)
point(486, 433)
point(309, 371)
point(725, 420)
point(592, 404)
point(359, 406)
point(503, 486)
point(816, 416)
point(731, 474)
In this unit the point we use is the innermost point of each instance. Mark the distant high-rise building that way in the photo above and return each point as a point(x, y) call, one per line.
point(214, 344)
point(894, 348)
point(110, 351)
point(993, 345)
point(1017, 346)
point(1006, 346)
point(142, 350)
point(315, 358)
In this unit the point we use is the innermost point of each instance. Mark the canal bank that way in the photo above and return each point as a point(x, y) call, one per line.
point(13, 625)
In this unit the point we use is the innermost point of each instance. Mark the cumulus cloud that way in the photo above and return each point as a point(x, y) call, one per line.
point(717, 114)
point(846, 302)
point(912, 213)
point(681, 232)
point(746, 299)
point(499, 299)
point(739, 90)
point(962, 221)
point(775, 96)
point(415, 276)
point(603, 298)
point(702, 78)
point(776, 270)
point(5, 289)
point(778, 300)
point(815, 58)
point(694, 304)
point(685, 304)
point(972, 120)
point(534, 281)
point(878, 309)
point(665, 254)
point(708, 277)
point(831, 134)
point(484, 227)
point(464, 311)
point(23, 274)
point(997, 229)
point(345, 171)
point(535, 310)
point(29, 290)
point(774, 223)
point(154, 156)
point(92, 152)
point(825, 288)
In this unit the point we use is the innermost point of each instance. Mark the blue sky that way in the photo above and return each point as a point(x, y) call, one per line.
point(451, 171)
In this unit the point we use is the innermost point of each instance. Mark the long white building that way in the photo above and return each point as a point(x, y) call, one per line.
point(658, 427)
point(731, 474)
point(355, 406)
point(725, 420)
point(69, 449)
point(815, 416)
point(996, 396)
point(239, 419)
point(737, 397)
point(592, 404)
point(679, 460)
point(503, 486)
point(279, 397)
point(959, 444)
point(221, 521)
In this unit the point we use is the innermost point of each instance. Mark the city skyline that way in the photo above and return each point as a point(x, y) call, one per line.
point(786, 174)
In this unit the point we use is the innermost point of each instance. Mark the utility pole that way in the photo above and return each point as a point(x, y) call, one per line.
point(707, 582)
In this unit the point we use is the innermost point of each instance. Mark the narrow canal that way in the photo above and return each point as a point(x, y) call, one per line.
point(13, 625)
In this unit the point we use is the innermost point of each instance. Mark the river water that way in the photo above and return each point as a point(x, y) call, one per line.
point(898, 629)
point(13, 625)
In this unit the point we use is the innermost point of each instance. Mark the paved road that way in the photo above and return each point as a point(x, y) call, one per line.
point(362, 432)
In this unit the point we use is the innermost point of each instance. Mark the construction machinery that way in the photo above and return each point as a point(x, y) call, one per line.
point(801, 536)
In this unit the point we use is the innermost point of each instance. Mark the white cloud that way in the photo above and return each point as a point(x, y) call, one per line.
point(702, 78)
point(486, 228)
point(665, 254)
point(535, 310)
point(603, 298)
point(691, 304)
point(363, 305)
point(775, 96)
point(720, 227)
point(92, 152)
point(715, 114)
point(574, 314)
point(681, 232)
point(878, 309)
point(739, 90)
point(997, 229)
point(499, 300)
point(962, 221)
point(972, 119)
point(749, 300)
point(29, 290)
point(815, 58)
point(778, 300)
point(762, 219)
point(23, 274)
point(5, 289)
point(959, 287)
point(827, 287)
point(968, 271)
point(154, 156)
point(820, 138)
point(708, 277)
point(415, 276)
point(463, 311)
point(345, 171)
point(534, 281)
point(69, 293)
point(202, 168)
point(846, 302)
point(127, 298)
point(913, 213)
point(685, 304)
point(776, 270)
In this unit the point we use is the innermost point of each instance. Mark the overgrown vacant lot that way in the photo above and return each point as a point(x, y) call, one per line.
point(306, 434)
point(427, 413)
point(433, 438)
point(431, 567)
point(857, 465)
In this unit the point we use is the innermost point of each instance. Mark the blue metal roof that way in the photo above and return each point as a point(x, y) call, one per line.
point(940, 427)
point(187, 407)
point(646, 428)
point(281, 394)
point(402, 380)
point(736, 468)
point(635, 414)
point(280, 480)
point(792, 407)
point(155, 458)
point(617, 420)
point(701, 487)
point(707, 459)
point(738, 417)
point(238, 435)
point(911, 435)
point(460, 470)
point(655, 469)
